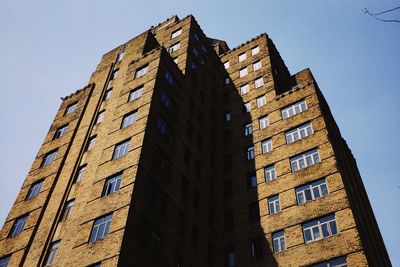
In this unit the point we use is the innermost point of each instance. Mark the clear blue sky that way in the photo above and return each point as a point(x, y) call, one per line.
point(48, 49)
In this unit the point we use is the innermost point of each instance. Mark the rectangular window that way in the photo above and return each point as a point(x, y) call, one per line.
point(71, 108)
point(226, 64)
point(165, 99)
point(244, 89)
point(298, 133)
point(49, 158)
point(4, 261)
point(256, 65)
point(257, 248)
point(227, 80)
point(311, 191)
point(338, 262)
point(254, 211)
point(121, 149)
point(227, 116)
point(195, 51)
point(273, 204)
point(91, 142)
point(243, 72)
point(135, 94)
point(228, 189)
point(169, 77)
point(112, 184)
point(120, 56)
point(259, 82)
point(250, 153)
point(114, 74)
point(246, 107)
point(100, 116)
point(51, 255)
point(194, 66)
point(101, 228)
point(304, 160)
point(278, 240)
point(248, 129)
point(264, 122)
point(174, 47)
point(230, 260)
point(60, 131)
point(107, 94)
point(255, 50)
point(176, 33)
point(294, 109)
point(162, 126)
point(242, 57)
point(34, 190)
point(81, 173)
point(320, 228)
point(269, 173)
point(251, 180)
point(261, 101)
point(129, 119)
point(266, 146)
point(141, 71)
point(67, 209)
point(18, 225)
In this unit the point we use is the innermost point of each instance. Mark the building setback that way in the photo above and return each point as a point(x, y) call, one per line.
point(183, 152)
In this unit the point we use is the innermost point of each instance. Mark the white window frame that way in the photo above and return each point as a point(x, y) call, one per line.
point(263, 122)
point(247, 107)
point(266, 146)
point(91, 143)
point(255, 50)
point(261, 101)
point(176, 33)
point(259, 82)
point(81, 173)
point(257, 65)
point(278, 241)
point(244, 89)
point(135, 93)
point(274, 204)
point(121, 149)
point(294, 109)
point(69, 205)
point(299, 132)
point(312, 191)
point(269, 173)
point(101, 228)
point(49, 158)
point(71, 108)
point(34, 189)
point(242, 57)
point(248, 129)
point(174, 47)
point(316, 228)
point(226, 64)
point(243, 72)
point(112, 184)
point(129, 119)
point(100, 116)
point(51, 255)
point(141, 71)
point(250, 153)
point(305, 159)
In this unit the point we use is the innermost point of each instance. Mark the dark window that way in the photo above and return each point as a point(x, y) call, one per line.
point(338, 262)
point(251, 180)
point(60, 131)
point(184, 186)
point(4, 261)
point(254, 212)
point(193, 236)
point(228, 221)
point(230, 260)
point(49, 158)
point(67, 209)
point(18, 225)
point(114, 74)
point(34, 190)
point(180, 223)
point(51, 255)
point(156, 197)
point(227, 161)
point(257, 248)
point(107, 94)
point(196, 200)
point(228, 189)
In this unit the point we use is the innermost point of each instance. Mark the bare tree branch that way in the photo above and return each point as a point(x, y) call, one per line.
point(375, 15)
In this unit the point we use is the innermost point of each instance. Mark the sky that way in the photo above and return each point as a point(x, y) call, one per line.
point(49, 49)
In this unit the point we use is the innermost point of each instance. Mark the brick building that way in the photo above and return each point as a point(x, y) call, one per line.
point(183, 152)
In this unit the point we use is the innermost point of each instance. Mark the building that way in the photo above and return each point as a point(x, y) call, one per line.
point(183, 152)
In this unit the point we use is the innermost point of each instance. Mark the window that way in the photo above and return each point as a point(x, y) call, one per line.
point(168, 76)
point(180, 223)
point(242, 57)
point(107, 94)
point(128, 119)
point(184, 186)
point(304, 160)
point(338, 262)
point(243, 72)
point(311, 191)
point(256, 65)
point(194, 66)
point(320, 228)
point(196, 200)
point(176, 33)
point(156, 197)
point(196, 37)
point(195, 51)
point(227, 116)
point(251, 180)
point(259, 82)
point(34, 190)
point(121, 149)
point(269, 173)
point(100, 116)
point(278, 240)
point(101, 228)
point(135, 94)
point(120, 56)
point(67, 209)
point(97, 264)
point(60, 131)
point(71, 108)
point(91, 142)
point(226, 64)
point(246, 107)
point(250, 153)
point(227, 80)
point(244, 89)
point(51, 255)
point(261, 101)
point(298, 133)
point(141, 71)
point(114, 74)
point(248, 129)
point(230, 260)
point(81, 173)
point(174, 47)
point(18, 225)
point(257, 248)
point(228, 189)
point(165, 99)
point(254, 212)
point(255, 50)
point(112, 184)
point(162, 126)
point(49, 158)
point(273, 204)
point(294, 109)
point(264, 122)
point(266, 146)
point(4, 261)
